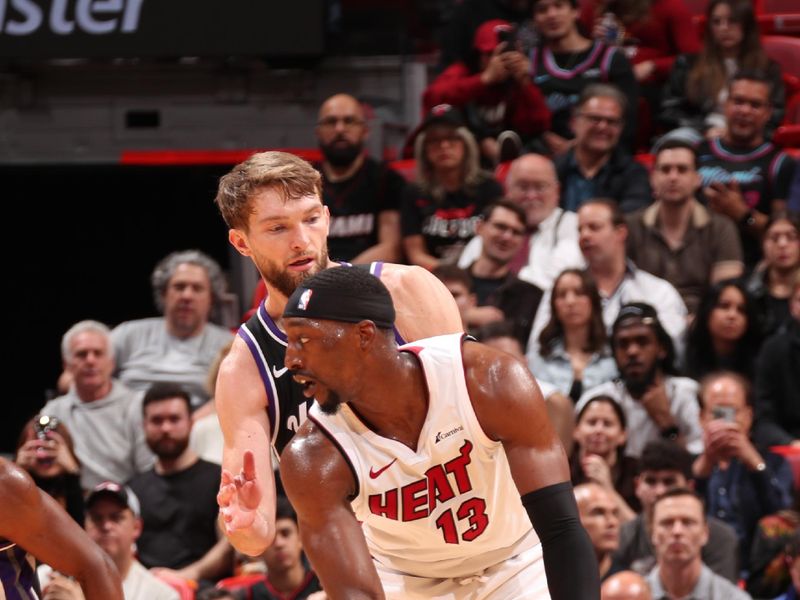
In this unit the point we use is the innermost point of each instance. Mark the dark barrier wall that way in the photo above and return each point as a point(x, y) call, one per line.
point(159, 28)
point(80, 243)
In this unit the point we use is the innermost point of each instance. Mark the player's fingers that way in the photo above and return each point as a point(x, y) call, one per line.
point(249, 465)
point(225, 494)
point(226, 477)
point(250, 494)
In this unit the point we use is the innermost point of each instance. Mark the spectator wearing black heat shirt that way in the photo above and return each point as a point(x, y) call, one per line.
point(441, 209)
point(363, 196)
point(745, 176)
point(566, 62)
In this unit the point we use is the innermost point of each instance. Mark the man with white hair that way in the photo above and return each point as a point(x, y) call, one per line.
point(552, 242)
point(103, 416)
point(188, 288)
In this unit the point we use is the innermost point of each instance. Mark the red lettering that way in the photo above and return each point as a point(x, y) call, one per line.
point(474, 510)
point(458, 467)
point(447, 524)
point(414, 500)
point(439, 489)
point(384, 505)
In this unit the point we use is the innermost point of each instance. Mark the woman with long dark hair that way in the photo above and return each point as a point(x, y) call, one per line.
point(45, 450)
point(771, 282)
point(573, 346)
point(599, 455)
point(697, 87)
point(725, 333)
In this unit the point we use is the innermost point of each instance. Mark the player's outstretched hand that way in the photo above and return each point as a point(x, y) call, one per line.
point(239, 496)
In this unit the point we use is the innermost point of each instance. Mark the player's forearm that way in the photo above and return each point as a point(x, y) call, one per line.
point(252, 540)
point(569, 559)
point(100, 579)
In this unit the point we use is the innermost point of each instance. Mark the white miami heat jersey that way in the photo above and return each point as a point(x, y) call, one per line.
point(450, 508)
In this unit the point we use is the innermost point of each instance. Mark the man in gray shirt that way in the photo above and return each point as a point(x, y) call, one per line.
point(679, 531)
point(663, 466)
point(179, 347)
point(103, 416)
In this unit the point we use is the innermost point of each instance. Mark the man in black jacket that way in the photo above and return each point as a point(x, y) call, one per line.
point(597, 166)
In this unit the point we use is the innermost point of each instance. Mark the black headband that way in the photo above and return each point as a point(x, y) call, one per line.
point(338, 305)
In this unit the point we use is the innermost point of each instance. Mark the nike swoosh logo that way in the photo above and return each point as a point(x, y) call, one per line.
point(374, 474)
point(278, 372)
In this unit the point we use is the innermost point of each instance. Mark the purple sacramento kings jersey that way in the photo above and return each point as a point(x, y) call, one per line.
point(17, 573)
point(287, 407)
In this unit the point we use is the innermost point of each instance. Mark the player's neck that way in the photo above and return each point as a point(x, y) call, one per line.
point(276, 300)
point(400, 410)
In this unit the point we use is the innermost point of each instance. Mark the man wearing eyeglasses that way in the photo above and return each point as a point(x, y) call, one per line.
point(363, 196)
point(597, 166)
point(745, 176)
point(500, 295)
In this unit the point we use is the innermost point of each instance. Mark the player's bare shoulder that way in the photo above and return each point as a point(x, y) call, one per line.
point(492, 370)
point(424, 306)
point(309, 453)
point(499, 385)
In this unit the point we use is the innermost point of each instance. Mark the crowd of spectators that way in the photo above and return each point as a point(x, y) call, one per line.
point(655, 296)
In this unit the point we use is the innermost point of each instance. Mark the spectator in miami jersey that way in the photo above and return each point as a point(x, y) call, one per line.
point(566, 62)
point(435, 466)
point(362, 195)
point(496, 93)
point(745, 176)
point(441, 209)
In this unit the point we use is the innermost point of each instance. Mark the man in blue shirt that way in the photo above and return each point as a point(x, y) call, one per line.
point(740, 482)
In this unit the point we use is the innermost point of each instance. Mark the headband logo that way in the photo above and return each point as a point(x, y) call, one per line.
point(302, 303)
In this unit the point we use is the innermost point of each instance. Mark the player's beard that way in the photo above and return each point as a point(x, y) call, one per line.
point(286, 282)
point(332, 403)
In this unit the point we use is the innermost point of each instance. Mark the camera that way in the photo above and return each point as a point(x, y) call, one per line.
point(44, 425)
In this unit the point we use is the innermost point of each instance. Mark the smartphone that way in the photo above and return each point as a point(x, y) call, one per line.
point(509, 36)
point(726, 413)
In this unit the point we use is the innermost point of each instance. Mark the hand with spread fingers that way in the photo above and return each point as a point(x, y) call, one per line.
point(239, 497)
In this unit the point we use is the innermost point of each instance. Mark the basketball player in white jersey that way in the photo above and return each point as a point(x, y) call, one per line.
point(272, 204)
point(32, 523)
point(429, 472)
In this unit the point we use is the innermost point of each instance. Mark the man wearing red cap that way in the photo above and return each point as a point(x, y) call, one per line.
point(495, 93)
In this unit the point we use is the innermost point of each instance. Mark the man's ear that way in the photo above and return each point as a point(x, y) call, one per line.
point(238, 240)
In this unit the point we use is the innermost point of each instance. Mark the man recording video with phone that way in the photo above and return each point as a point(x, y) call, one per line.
point(494, 91)
point(740, 483)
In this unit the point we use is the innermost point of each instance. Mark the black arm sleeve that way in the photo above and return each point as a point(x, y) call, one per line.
point(569, 559)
